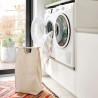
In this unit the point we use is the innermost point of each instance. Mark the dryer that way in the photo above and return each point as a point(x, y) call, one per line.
point(63, 41)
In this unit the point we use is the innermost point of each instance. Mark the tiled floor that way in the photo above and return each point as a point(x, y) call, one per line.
point(52, 84)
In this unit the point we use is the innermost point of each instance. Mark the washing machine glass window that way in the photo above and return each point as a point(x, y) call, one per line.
point(49, 27)
point(62, 31)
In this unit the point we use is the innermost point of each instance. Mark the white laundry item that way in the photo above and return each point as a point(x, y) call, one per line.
point(46, 50)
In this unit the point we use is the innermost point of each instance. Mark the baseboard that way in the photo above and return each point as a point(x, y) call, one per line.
point(7, 71)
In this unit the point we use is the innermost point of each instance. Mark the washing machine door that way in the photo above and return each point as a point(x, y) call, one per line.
point(62, 30)
point(39, 28)
point(37, 31)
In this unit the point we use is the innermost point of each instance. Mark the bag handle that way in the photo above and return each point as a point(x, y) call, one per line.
point(39, 65)
point(39, 56)
point(28, 48)
point(26, 51)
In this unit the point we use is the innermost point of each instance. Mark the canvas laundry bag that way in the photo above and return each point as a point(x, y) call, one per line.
point(28, 75)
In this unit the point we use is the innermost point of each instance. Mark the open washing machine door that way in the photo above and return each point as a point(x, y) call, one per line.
point(40, 28)
point(37, 31)
point(62, 30)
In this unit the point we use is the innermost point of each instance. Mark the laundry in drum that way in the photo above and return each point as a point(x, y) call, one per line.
point(65, 33)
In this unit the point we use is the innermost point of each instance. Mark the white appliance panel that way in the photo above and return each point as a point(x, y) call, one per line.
point(64, 53)
point(62, 75)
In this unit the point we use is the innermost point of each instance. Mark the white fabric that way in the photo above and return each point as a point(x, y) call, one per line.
point(46, 51)
point(28, 75)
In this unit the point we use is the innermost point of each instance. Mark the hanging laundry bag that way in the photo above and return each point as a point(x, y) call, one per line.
point(28, 75)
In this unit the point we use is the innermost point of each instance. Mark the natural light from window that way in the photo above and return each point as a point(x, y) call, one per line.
point(12, 28)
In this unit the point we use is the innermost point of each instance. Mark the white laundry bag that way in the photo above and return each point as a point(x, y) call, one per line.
point(28, 75)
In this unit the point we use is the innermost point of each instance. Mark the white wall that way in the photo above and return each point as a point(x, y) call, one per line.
point(86, 15)
point(39, 7)
point(87, 65)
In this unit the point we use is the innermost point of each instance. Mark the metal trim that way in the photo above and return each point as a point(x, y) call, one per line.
point(72, 68)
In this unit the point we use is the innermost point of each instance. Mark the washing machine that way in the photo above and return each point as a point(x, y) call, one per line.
point(62, 61)
point(48, 20)
point(64, 34)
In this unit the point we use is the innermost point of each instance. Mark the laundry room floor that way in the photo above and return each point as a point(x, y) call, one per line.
point(49, 82)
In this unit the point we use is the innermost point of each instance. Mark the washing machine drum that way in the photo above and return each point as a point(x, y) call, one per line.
point(49, 27)
point(62, 30)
